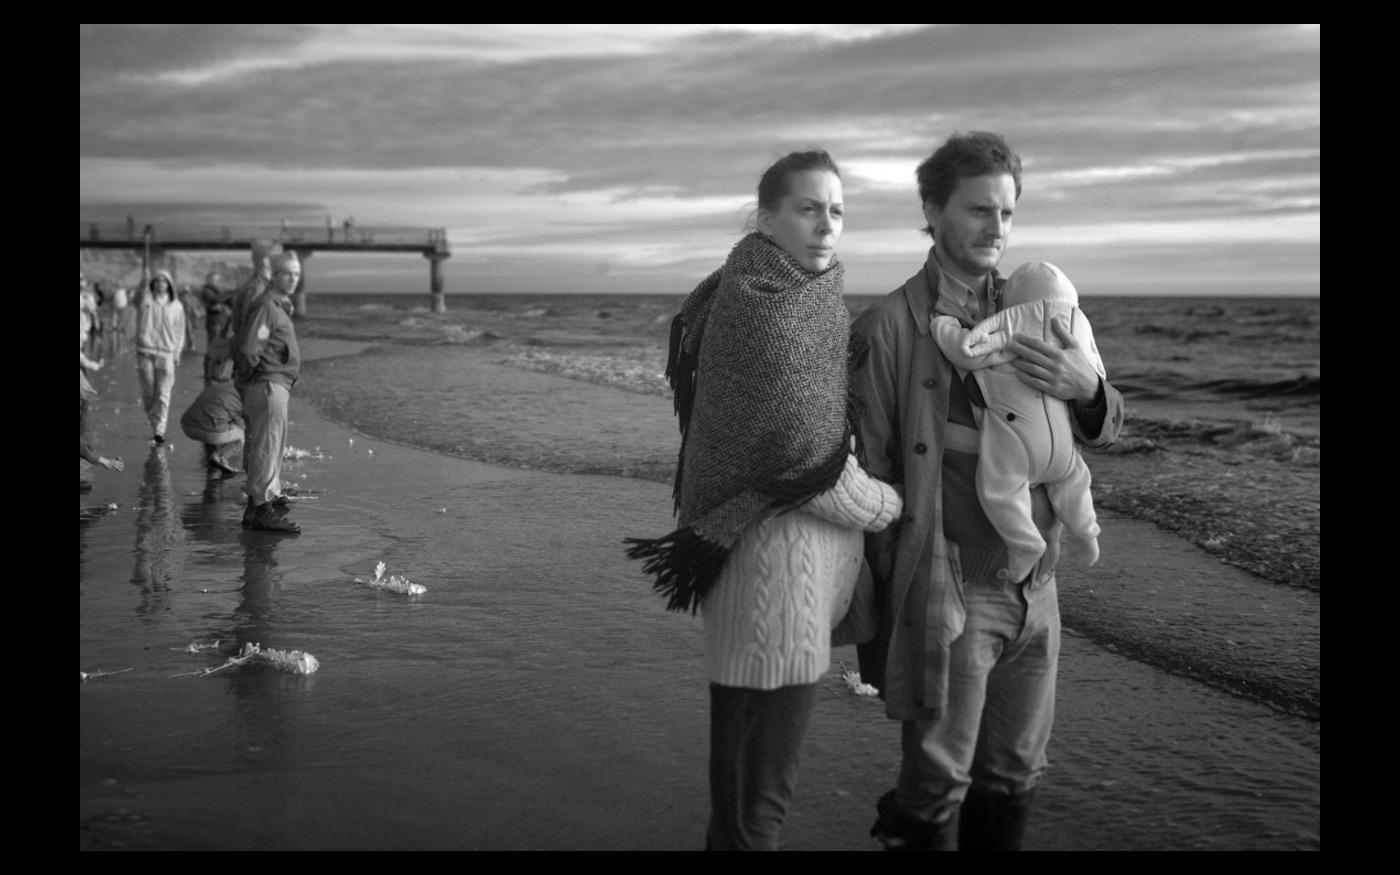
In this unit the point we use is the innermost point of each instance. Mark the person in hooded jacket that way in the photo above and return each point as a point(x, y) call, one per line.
point(160, 339)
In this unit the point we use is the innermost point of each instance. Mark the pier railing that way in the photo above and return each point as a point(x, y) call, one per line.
point(380, 238)
point(154, 239)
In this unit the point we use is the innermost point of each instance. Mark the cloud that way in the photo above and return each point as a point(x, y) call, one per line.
point(644, 142)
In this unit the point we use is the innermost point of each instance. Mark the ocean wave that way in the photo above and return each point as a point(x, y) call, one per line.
point(1162, 383)
point(1183, 333)
point(1301, 386)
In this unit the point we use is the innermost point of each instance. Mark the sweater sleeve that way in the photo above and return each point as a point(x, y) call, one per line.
point(857, 501)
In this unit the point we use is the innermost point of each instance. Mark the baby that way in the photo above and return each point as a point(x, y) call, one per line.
point(1025, 435)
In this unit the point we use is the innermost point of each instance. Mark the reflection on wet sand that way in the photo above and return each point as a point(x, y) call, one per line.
point(159, 536)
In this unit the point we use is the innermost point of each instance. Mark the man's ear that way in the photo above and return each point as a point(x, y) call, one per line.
point(931, 213)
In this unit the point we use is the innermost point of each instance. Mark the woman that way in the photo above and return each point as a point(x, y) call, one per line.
point(772, 502)
point(160, 339)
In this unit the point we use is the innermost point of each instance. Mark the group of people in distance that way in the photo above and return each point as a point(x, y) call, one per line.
point(251, 363)
point(900, 483)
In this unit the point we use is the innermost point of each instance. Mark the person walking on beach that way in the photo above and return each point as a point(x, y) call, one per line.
point(966, 654)
point(267, 363)
point(772, 503)
point(160, 341)
point(194, 315)
point(123, 319)
point(86, 396)
point(91, 315)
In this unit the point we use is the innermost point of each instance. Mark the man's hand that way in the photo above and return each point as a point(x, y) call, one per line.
point(1060, 373)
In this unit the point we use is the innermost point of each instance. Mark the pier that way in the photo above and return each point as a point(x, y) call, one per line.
point(153, 240)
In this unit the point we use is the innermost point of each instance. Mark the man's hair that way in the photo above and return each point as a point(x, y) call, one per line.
point(977, 153)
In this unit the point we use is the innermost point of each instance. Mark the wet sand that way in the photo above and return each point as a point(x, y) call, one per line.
point(538, 697)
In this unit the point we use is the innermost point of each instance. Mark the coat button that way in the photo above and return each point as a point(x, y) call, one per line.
point(920, 448)
point(906, 518)
point(930, 383)
point(1010, 417)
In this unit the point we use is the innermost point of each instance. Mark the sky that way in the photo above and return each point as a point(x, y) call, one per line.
point(610, 158)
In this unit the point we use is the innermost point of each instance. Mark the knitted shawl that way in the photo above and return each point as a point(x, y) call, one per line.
point(758, 369)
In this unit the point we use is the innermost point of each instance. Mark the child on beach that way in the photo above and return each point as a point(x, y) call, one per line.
point(1025, 435)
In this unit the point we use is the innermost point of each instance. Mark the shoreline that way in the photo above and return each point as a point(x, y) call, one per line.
point(1247, 492)
point(526, 418)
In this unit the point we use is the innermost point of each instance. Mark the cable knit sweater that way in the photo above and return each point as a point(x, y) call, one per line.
point(788, 581)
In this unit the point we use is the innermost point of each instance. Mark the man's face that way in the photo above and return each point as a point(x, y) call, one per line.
point(970, 232)
point(285, 279)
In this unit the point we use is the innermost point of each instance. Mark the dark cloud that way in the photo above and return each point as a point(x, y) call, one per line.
point(195, 212)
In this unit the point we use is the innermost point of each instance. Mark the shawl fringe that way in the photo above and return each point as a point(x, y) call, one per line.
point(685, 564)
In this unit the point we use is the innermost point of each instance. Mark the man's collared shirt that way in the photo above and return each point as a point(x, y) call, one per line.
point(978, 304)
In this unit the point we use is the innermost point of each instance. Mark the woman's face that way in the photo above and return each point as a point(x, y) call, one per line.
point(808, 220)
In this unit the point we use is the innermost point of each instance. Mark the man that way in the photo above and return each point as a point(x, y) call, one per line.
point(217, 365)
point(218, 356)
point(964, 657)
point(266, 364)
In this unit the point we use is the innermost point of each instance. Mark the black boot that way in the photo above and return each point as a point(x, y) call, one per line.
point(993, 821)
point(899, 832)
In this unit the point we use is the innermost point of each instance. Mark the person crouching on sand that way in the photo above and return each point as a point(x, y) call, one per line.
point(772, 502)
point(266, 363)
point(215, 419)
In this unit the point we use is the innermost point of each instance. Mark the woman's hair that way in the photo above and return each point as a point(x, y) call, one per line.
point(973, 154)
point(773, 185)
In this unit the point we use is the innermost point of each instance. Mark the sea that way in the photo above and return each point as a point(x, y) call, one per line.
point(1212, 360)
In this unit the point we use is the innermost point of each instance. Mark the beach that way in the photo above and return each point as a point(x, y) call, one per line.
point(537, 695)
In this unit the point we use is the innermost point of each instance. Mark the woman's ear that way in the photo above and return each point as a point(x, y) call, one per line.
point(765, 222)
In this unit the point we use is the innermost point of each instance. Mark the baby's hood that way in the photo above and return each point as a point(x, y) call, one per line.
point(1039, 281)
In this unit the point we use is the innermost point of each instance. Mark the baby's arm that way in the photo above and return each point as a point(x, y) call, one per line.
point(957, 344)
